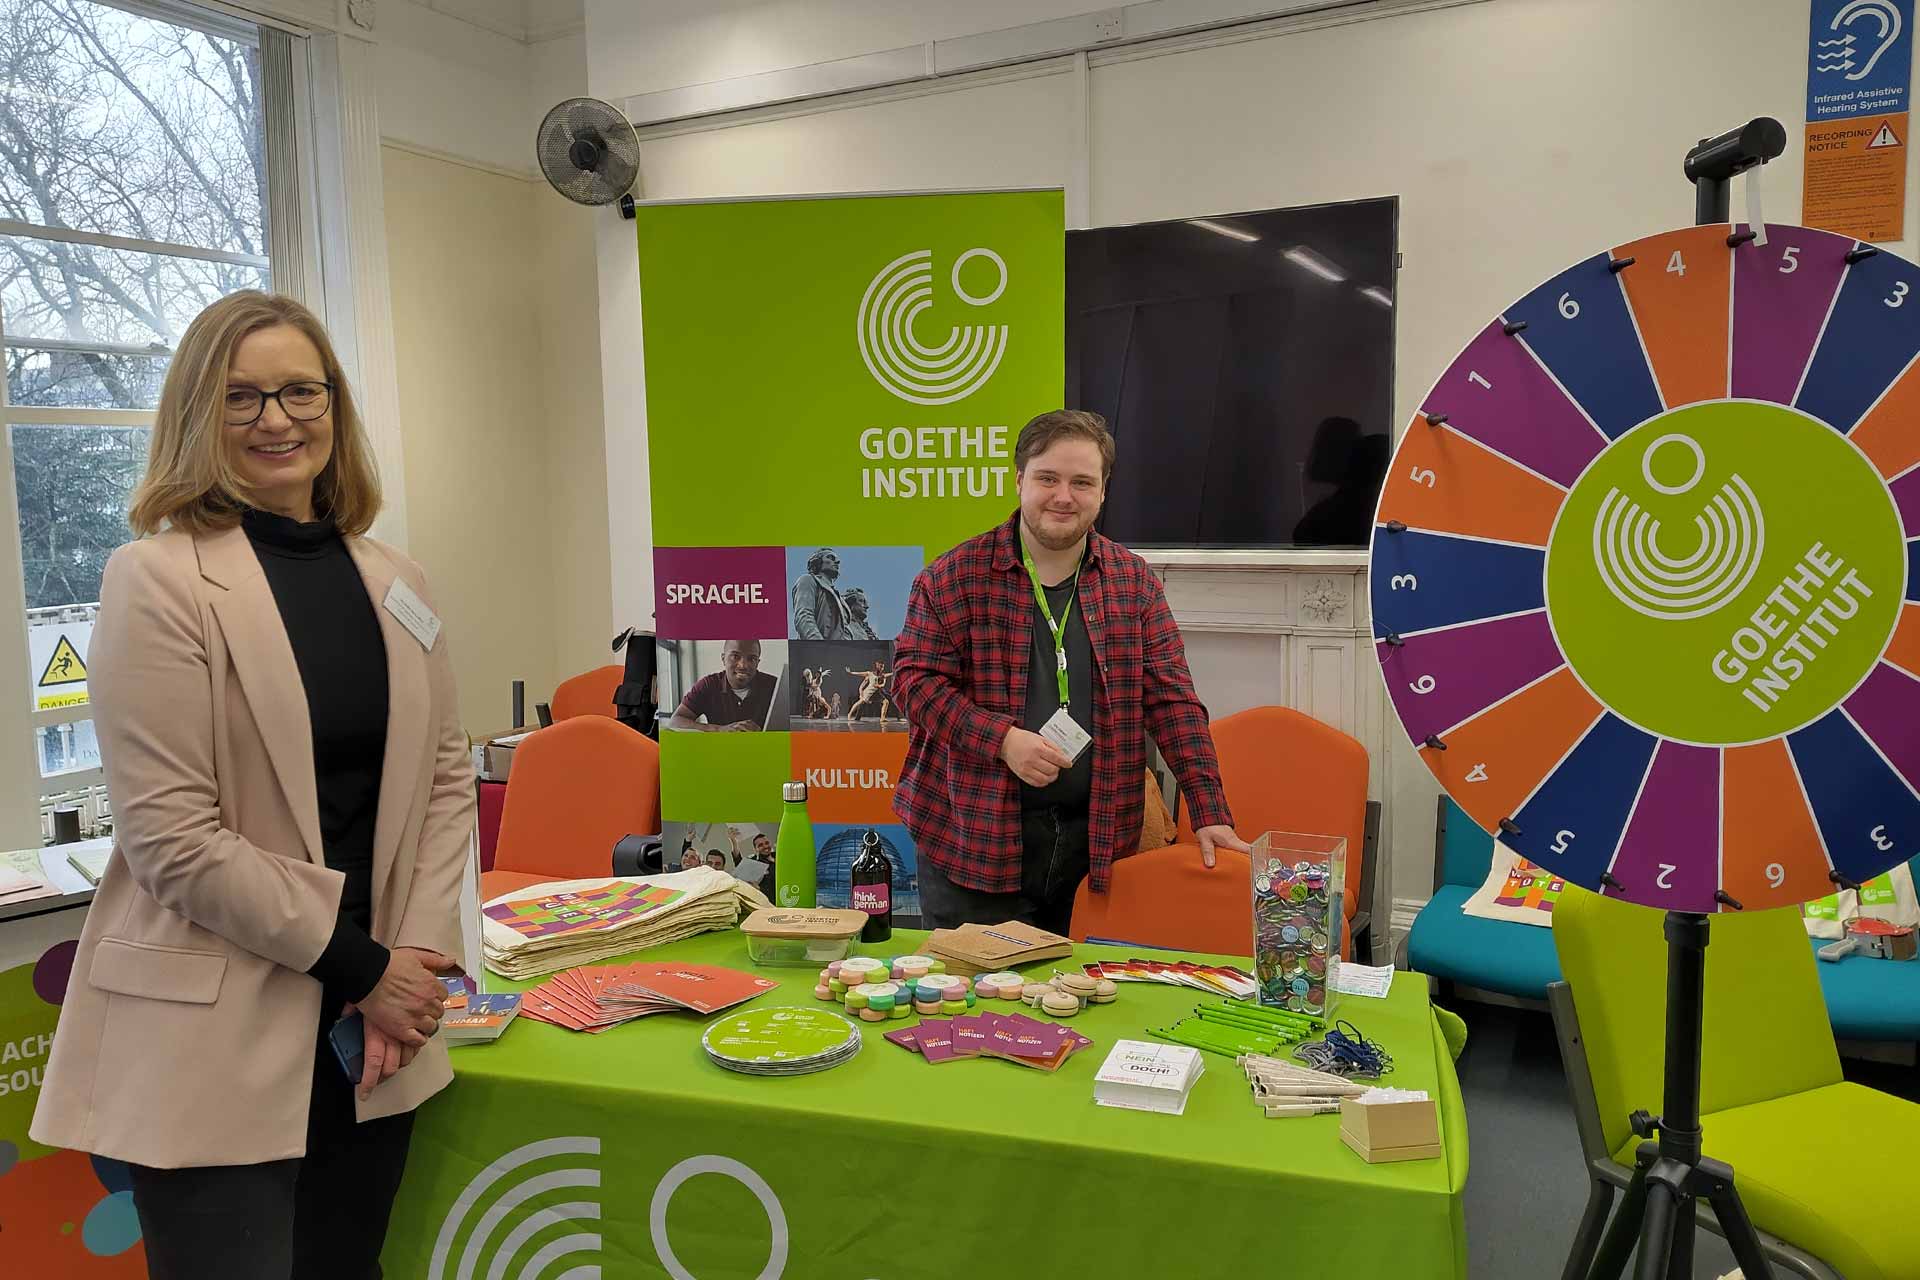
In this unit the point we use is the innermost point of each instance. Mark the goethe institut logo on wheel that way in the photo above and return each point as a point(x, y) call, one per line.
point(892, 347)
point(1726, 572)
point(1636, 567)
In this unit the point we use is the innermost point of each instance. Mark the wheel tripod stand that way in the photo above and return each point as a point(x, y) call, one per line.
point(1670, 1175)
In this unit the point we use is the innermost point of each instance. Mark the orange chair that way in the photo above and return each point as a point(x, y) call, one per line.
point(1168, 898)
point(588, 694)
point(575, 789)
point(1283, 771)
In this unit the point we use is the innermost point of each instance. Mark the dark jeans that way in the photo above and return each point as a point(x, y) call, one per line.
point(322, 1217)
point(1052, 865)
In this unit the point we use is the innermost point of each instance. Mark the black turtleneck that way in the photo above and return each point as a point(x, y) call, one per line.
point(342, 659)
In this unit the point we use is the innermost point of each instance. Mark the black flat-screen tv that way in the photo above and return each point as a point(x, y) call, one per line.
point(1245, 364)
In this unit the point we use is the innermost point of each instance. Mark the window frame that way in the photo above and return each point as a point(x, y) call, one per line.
point(301, 90)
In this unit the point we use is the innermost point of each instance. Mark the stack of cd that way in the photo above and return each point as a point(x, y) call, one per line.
point(781, 1042)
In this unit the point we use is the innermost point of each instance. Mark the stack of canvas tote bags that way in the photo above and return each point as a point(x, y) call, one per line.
point(548, 927)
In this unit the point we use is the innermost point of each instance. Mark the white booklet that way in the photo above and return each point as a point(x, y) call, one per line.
point(90, 862)
point(1141, 1075)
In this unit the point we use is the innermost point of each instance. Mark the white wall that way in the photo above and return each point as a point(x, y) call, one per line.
point(468, 346)
point(568, 321)
point(454, 88)
point(496, 337)
point(669, 44)
point(1519, 135)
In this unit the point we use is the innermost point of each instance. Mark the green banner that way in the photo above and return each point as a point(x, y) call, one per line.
point(834, 389)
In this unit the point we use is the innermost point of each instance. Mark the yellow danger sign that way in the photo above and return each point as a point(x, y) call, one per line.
point(64, 667)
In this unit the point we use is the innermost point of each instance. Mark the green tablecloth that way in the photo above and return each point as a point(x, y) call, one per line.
point(554, 1153)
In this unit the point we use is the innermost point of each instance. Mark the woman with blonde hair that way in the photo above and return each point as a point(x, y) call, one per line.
point(292, 800)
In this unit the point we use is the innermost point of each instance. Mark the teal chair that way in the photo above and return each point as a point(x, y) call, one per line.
point(1866, 999)
point(1447, 943)
point(1870, 999)
point(1826, 1168)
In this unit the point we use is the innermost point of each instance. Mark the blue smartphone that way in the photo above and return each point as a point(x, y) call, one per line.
point(349, 1041)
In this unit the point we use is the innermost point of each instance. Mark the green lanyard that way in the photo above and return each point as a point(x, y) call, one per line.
point(1059, 628)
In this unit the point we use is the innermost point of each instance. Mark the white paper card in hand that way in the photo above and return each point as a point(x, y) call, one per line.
point(1063, 732)
point(1363, 980)
point(405, 604)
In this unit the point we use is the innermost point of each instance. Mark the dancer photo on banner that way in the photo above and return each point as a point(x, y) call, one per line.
point(843, 687)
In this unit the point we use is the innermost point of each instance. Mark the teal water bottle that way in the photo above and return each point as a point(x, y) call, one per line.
point(793, 853)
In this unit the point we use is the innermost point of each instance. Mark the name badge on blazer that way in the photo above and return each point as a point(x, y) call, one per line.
point(404, 603)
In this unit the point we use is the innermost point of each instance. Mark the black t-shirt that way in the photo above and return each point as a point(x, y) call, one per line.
point(710, 697)
point(1074, 787)
point(342, 659)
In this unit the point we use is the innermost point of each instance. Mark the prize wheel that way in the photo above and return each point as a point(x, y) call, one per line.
point(1642, 570)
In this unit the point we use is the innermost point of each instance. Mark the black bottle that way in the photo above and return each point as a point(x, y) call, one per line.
point(872, 875)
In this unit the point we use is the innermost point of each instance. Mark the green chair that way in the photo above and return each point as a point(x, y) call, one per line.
point(1826, 1169)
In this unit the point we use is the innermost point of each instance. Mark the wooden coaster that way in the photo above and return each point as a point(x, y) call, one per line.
point(1059, 1004)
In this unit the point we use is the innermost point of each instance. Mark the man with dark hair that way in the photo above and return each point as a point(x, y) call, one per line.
point(819, 613)
point(858, 628)
point(735, 698)
point(762, 853)
point(1034, 659)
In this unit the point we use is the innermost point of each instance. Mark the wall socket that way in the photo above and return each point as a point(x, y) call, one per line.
point(1110, 25)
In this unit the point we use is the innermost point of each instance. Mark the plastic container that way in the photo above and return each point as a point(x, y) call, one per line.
point(1298, 880)
point(781, 936)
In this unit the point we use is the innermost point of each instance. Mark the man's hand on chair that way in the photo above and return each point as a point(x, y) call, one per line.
point(1223, 837)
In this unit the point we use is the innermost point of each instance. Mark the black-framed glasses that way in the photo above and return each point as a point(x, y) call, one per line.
point(301, 401)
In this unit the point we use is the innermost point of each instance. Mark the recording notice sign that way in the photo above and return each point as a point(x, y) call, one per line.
point(1859, 74)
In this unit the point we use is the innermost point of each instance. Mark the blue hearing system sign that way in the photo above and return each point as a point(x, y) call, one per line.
point(1859, 58)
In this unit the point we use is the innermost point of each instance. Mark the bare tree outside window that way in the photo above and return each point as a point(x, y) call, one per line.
point(121, 125)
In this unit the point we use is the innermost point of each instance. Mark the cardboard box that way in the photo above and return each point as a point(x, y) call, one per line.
point(1382, 1132)
point(493, 755)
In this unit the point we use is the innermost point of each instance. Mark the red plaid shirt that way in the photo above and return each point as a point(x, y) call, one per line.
point(960, 674)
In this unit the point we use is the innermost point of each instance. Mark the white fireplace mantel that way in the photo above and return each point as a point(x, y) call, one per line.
point(1292, 628)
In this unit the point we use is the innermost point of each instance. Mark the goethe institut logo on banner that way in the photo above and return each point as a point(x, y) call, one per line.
point(892, 348)
point(961, 460)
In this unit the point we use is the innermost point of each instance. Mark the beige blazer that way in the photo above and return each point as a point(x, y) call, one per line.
point(187, 1036)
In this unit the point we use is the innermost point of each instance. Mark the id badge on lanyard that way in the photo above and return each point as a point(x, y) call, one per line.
point(1061, 729)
